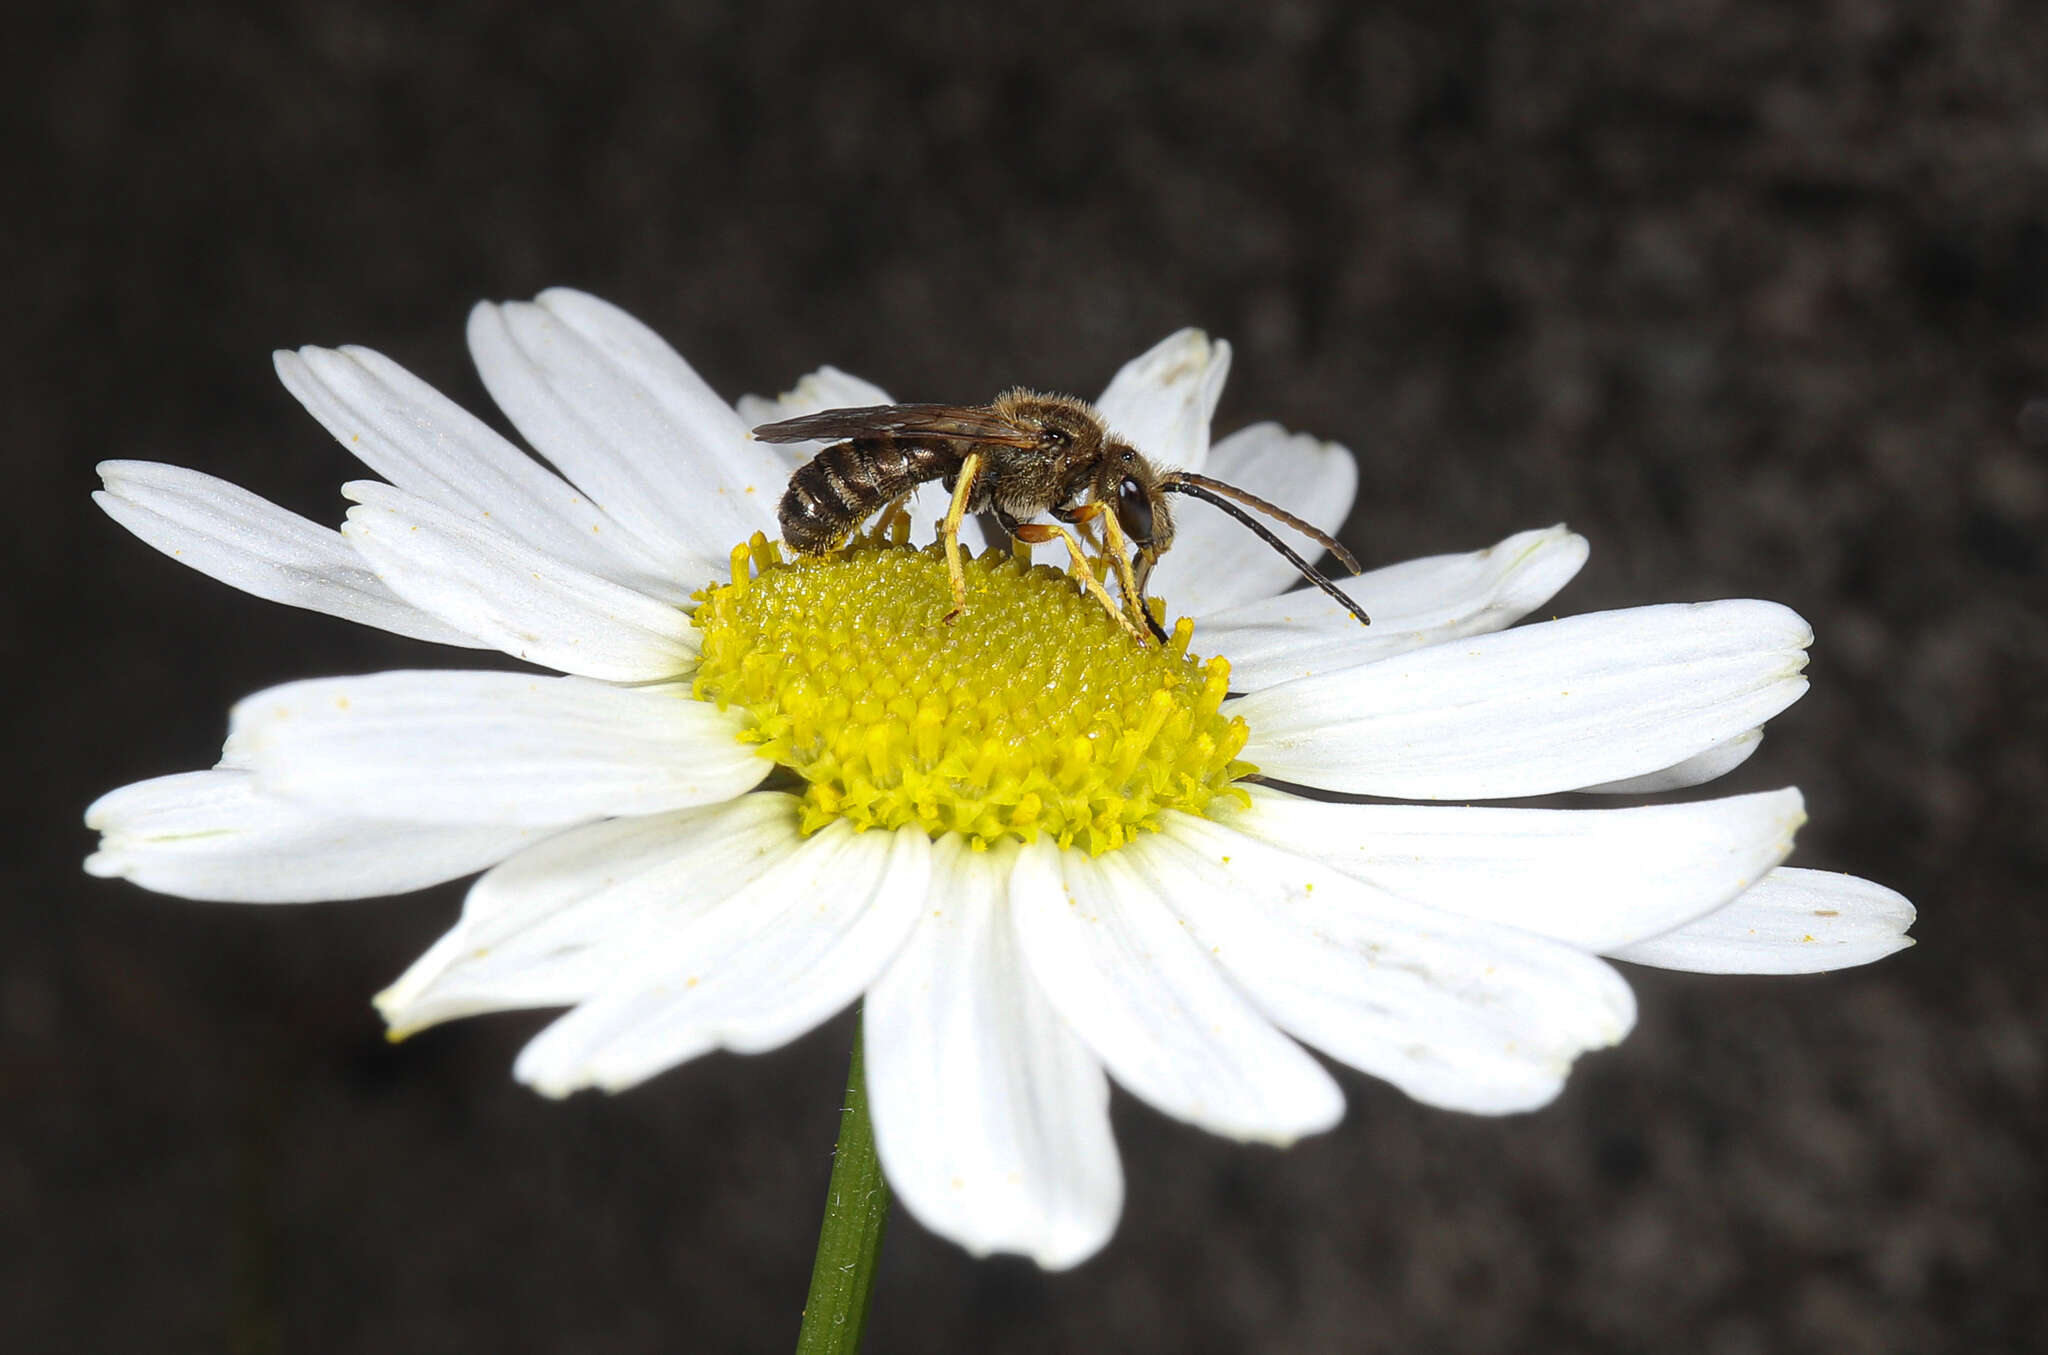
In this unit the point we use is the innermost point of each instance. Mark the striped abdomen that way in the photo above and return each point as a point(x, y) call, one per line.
point(833, 492)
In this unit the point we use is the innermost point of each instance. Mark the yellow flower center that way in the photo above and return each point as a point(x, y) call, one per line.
point(1032, 713)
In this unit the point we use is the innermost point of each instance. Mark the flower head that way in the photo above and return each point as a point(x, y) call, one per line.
point(762, 787)
point(1039, 716)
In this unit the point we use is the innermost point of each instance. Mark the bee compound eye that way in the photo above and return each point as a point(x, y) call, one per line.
point(1134, 510)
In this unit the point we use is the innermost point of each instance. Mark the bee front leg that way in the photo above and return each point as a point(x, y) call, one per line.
point(1038, 533)
point(1113, 536)
point(949, 531)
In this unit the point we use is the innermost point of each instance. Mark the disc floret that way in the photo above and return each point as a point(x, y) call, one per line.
point(1034, 713)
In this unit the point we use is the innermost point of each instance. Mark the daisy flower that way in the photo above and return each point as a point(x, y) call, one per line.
point(1045, 856)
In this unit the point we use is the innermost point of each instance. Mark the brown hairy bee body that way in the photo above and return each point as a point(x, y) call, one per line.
point(1019, 456)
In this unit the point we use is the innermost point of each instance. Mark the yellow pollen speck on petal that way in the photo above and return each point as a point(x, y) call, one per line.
point(1032, 715)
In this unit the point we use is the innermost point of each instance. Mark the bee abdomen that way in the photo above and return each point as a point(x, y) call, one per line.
point(832, 493)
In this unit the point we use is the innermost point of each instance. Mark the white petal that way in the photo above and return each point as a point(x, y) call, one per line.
point(1457, 1013)
point(991, 1116)
point(754, 972)
point(1696, 770)
point(490, 748)
point(211, 835)
point(247, 542)
point(424, 443)
point(557, 923)
point(1161, 401)
point(1215, 562)
point(1413, 604)
point(626, 419)
point(1595, 878)
point(1543, 708)
point(1154, 1007)
point(529, 604)
point(1794, 922)
point(643, 361)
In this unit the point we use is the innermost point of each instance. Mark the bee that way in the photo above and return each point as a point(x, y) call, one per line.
point(1017, 457)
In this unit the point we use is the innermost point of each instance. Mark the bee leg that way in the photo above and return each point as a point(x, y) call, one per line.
point(1113, 534)
point(1038, 533)
point(1082, 516)
point(1020, 549)
point(894, 517)
point(949, 531)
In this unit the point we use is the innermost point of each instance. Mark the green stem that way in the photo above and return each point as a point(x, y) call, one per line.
point(850, 1239)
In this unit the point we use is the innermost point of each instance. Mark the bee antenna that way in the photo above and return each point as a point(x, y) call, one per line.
point(1211, 492)
point(1175, 479)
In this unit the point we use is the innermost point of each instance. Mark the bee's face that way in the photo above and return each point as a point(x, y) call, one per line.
point(1131, 486)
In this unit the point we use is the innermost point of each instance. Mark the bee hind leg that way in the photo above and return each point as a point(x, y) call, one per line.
point(893, 521)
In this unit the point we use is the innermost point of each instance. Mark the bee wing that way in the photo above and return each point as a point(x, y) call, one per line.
point(966, 423)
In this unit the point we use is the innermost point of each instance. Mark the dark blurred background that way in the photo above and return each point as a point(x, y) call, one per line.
point(1751, 293)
